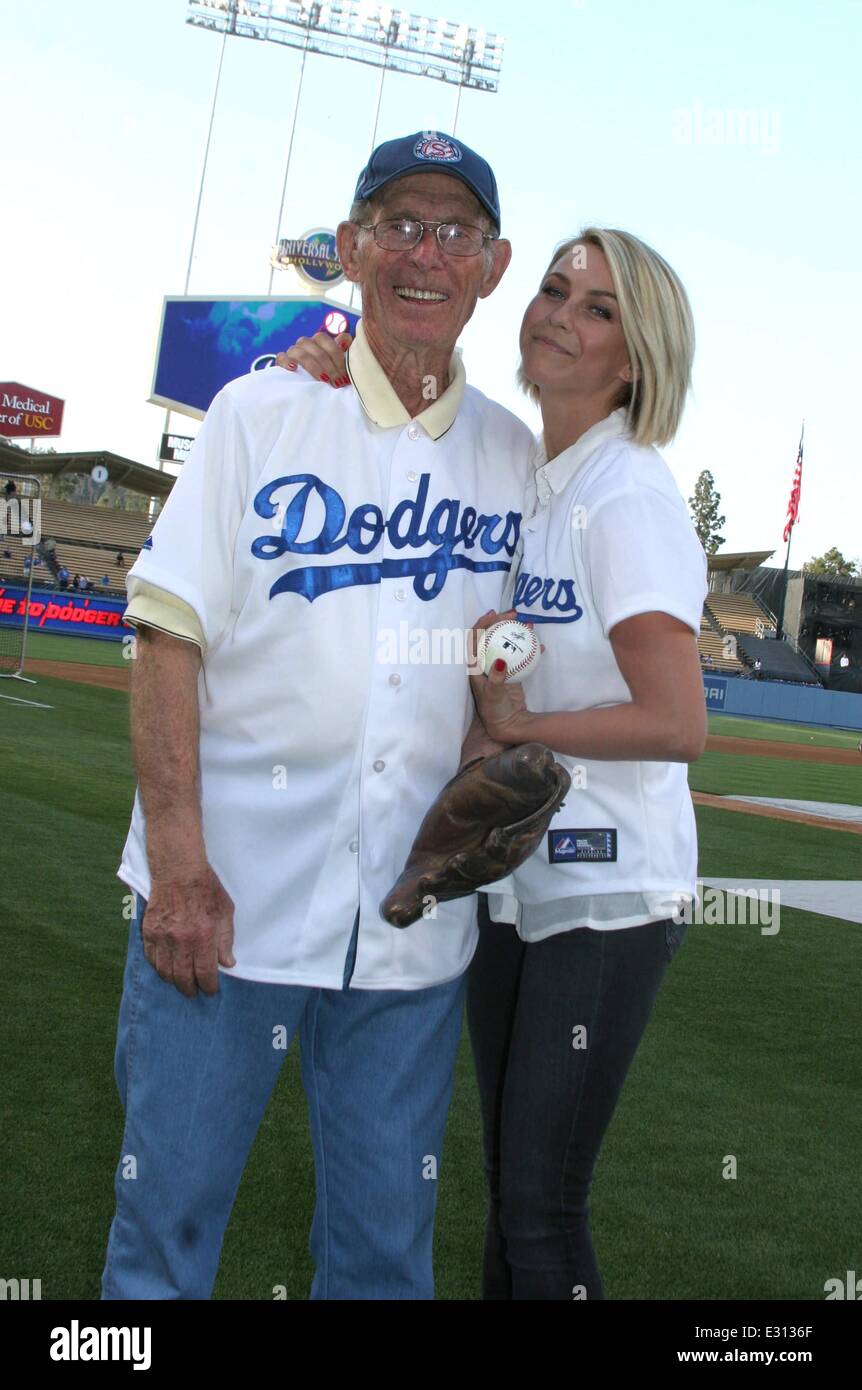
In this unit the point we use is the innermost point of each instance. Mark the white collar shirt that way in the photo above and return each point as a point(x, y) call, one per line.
point(609, 539)
point(332, 553)
point(553, 476)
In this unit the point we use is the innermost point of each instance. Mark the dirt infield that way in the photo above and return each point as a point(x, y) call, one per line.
point(727, 803)
point(117, 678)
point(771, 748)
point(109, 677)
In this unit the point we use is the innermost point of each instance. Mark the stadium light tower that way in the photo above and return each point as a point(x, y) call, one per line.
point(380, 36)
point(365, 33)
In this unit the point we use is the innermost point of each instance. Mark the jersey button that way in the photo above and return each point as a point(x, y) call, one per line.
point(353, 846)
point(400, 595)
point(412, 476)
point(394, 679)
point(413, 432)
point(379, 765)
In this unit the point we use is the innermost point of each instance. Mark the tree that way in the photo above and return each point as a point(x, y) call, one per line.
point(704, 512)
point(81, 487)
point(832, 563)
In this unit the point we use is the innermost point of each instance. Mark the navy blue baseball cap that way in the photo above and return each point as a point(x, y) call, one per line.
point(425, 150)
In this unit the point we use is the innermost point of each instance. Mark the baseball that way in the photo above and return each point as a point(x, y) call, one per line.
point(335, 323)
point(512, 642)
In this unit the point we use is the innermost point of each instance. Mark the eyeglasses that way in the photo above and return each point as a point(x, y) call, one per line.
point(403, 233)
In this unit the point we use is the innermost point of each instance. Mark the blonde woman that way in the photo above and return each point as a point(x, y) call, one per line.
point(574, 946)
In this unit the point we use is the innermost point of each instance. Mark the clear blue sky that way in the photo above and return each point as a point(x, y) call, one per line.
point(618, 112)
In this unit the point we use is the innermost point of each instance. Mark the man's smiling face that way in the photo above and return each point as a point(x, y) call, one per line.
point(422, 297)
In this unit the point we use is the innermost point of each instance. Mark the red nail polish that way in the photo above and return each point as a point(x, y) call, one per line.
point(324, 377)
point(291, 366)
point(499, 665)
point(345, 381)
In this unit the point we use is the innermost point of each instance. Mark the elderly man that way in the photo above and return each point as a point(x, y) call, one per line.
point(288, 742)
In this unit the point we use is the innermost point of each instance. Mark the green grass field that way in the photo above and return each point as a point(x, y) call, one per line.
point(52, 646)
point(753, 1051)
point(729, 774)
point(734, 726)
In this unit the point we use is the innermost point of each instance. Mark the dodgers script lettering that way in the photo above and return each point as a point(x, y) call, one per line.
point(450, 527)
point(557, 597)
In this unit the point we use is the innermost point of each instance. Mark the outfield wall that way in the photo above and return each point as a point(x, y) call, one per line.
point(794, 704)
point(74, 614)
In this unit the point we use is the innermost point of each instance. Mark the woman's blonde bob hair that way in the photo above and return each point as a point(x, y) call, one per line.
point(658, 328)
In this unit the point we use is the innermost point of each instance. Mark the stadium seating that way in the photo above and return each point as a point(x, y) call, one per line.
point(714, 651)
point(752, 626)
point(778, 661)
point(74, 521)
point(88, 542)
point(739, 613)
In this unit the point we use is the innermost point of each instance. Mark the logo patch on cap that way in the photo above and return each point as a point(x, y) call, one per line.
point(435, 147)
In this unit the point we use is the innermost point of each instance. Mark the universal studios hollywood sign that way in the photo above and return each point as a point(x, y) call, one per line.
point(314, 255)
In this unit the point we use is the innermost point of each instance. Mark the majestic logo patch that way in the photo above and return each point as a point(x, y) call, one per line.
point(582, 846)
point(437, 147)
point(313, 520)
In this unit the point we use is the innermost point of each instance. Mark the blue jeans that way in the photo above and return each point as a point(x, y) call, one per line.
point(195, 1076)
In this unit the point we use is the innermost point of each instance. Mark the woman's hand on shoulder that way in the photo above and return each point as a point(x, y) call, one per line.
point(322, 356)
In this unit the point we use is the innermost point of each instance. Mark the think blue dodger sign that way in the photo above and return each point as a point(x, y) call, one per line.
point(714, 689)
point(205, 343)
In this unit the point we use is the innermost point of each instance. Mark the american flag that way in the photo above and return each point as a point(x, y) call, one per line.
point(793, 504)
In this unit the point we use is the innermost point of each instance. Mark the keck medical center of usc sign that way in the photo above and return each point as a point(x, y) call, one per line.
point(26, 412)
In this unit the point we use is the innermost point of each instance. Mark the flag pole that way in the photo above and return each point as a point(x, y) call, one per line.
point(779, 631)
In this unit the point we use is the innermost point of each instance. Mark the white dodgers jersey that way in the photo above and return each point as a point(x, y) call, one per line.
point(334, 567)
